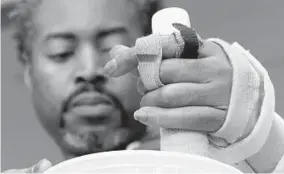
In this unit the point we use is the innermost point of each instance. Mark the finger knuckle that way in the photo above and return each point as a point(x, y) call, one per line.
point(221, 69)
point(216, 49)
point(222, 95)
point(210, 48)
point(218, 120)
point(166, 70)
point(163, 73)
point(224, 71)
point(165, 95)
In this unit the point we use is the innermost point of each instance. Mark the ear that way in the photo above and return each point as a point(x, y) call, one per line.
point(27, 76)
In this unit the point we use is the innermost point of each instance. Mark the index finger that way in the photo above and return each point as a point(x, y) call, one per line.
point(124, 58)
point(123, 61)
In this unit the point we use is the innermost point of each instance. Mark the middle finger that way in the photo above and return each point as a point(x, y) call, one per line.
point(187, 94)
point(189, 70)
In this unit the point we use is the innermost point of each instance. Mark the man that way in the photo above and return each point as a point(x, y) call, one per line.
point(87, 107)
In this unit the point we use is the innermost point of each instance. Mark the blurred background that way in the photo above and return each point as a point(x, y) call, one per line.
point(256, 24)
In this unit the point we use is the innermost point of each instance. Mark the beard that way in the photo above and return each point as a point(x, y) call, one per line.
point(78, 143)
point(116, 136)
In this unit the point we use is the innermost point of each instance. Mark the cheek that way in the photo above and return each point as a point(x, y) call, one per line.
point(125, 89)
point(51, 85)
point(46, 105)
point(54, 79)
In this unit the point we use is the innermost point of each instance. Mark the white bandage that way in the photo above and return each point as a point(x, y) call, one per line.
point(180, 44)
point(149, 55)
point(244, 94)
point(241, 150)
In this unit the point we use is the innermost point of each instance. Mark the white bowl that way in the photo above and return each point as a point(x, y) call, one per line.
point(141, 161)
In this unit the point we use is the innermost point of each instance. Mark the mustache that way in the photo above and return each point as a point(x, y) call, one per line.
point(92, 88)
point(78, 91)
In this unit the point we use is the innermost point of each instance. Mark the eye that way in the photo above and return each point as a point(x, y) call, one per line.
point(109, 41)
point(62, 57)
point(106, 50)
point(60, 50)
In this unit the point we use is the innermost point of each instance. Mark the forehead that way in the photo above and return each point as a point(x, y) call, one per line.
point(83, 15)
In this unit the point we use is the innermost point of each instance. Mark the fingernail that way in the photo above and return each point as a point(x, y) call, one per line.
point(116, 50)
point(42, 161)
point(110, 67)
point(141, 115)
point(113, 52)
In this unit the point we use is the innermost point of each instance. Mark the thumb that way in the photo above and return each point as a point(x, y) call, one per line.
point(40, 167)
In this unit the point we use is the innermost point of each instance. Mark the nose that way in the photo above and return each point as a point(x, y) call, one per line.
point(89, 66)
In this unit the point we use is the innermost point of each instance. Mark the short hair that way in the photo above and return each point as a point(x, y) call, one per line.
point(22, 15)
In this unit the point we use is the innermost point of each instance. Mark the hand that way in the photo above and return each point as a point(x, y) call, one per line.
point(196, 93)
point(40, 167)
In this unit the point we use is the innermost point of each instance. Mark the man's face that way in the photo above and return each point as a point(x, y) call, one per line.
point(82, 109)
